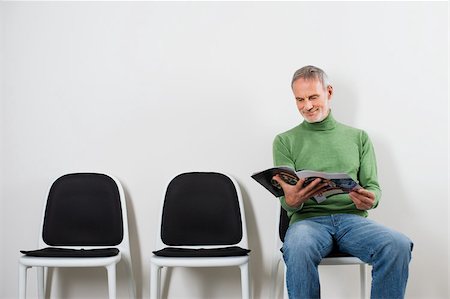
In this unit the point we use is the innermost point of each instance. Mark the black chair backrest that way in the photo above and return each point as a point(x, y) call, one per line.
point(83, 209)
point(201, 208)
point(284, 224)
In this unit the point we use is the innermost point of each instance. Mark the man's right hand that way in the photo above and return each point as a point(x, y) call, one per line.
point(296, 195)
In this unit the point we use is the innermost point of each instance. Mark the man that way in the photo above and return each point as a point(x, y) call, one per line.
point(321, 143)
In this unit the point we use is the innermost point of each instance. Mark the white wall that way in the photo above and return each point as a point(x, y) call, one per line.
point(1, 135)
point(146, 90)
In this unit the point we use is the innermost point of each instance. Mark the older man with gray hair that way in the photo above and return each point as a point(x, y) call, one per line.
point(321, 143)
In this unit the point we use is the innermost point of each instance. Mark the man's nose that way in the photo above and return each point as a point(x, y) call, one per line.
point(308, 105)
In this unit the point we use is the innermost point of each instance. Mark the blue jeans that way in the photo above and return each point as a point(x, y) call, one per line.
point(309, 240)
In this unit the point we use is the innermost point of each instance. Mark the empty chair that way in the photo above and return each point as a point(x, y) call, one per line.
point(84, 224)
point(202, 225)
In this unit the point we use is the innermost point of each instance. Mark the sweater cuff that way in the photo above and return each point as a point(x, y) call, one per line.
point(289, 208)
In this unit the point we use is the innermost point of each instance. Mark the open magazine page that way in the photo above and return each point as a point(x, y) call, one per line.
point(265, 179)
point(337, 182)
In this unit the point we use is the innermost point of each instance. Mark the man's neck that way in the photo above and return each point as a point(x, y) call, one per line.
point(328, 123)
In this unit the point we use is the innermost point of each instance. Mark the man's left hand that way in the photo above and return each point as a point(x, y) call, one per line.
point(363, 199)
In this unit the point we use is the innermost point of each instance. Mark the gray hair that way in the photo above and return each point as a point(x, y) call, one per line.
point(311, 72)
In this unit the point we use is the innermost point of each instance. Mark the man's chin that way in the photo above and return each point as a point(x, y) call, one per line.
point(315, 118)
point(312, 120)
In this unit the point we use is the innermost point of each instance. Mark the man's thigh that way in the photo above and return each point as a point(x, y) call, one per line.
point(363, 237)
point(310, 237)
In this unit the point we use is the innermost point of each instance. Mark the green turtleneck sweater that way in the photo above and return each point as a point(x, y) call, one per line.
point(331, 147)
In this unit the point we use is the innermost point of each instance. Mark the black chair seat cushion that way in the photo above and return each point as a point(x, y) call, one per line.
point(202, 252)
point(66, 252)
point(336, 253)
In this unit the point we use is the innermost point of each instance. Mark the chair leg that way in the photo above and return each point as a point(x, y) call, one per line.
point(155, 281)
point(274, 278)
point(362, 273)
point(41, 282)
point(111, 270)
point(285, 290)
point(245, 281)
point(131, 281)
point(22, 281)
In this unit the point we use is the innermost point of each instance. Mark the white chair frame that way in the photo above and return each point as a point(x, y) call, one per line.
point(157, 263)
point(43, 263)
point(278, 261)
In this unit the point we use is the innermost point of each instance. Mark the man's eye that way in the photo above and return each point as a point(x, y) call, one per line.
point(313, 98)
point(300, 99)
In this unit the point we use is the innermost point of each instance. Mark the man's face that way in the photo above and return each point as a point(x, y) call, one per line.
point(313, 100)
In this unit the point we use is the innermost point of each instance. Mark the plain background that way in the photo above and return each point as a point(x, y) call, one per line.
point(146, 90)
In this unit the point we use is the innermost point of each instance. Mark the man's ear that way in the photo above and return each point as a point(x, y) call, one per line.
point(330, 91)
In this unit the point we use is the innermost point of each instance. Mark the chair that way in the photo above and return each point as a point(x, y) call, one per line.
point(84, 224)
point(202, 225)
point(334, 258)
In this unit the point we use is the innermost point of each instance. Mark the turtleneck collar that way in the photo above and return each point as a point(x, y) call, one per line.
point(328, 123)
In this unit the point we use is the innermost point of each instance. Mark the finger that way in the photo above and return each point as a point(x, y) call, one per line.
point(285, 185)
point(367, 204)
point(322, 187)
point(364, 199)
point(366, 192)
point(311, 185)
point(360, 203)
point(317, 190)
point(279, 180)
point(355, 195)
point(360, 195)
point(356, 198)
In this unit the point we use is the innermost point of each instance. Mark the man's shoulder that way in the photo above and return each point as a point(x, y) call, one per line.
point(290, 132)
point(350, 129)
point(341, 126)
point(341, 129)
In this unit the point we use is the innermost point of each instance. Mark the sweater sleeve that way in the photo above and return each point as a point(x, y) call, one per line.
point(282, 157)
point(367, 175)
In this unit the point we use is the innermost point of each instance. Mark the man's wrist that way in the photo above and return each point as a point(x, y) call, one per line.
point(290, 208)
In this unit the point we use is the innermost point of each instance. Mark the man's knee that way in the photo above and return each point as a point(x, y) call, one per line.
point(298, 243)
point(397, 247)
point(301, 243)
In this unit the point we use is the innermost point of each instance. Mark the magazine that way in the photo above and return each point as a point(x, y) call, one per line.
point(337, 182)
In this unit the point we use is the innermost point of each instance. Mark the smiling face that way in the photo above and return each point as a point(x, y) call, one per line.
point(313, 100)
